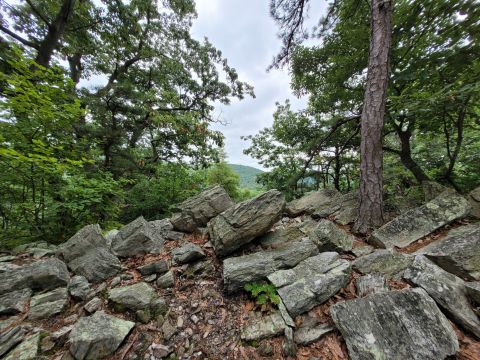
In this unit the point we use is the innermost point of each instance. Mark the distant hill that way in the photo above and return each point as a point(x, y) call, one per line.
point(247, 175)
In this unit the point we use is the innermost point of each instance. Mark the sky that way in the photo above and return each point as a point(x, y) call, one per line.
point(247, 36)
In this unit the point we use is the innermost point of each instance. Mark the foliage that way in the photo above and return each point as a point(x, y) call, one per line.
point(248, 175)
point(222, 174)
point(263, 293)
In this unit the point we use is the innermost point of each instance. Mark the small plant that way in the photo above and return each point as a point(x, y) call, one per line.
point(263, 293)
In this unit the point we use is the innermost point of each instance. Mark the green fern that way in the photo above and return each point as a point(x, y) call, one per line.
point(263, 293)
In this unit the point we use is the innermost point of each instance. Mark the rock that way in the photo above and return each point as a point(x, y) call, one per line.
point(48, 304)
point(7, 267)
point(344, 210)
point(238, 271)
point(458, 252)
point(143, 316)
point(262, 327)
point(150, 278)
point(160, 351)
point(166, 280)
point(265, 349)
point(156, 267)
point(474, 200)
point(10, 338)
point(134, 297)
point(161, 227)
point(168, 330)
point(362, 250)
point(98, 336)
point(432, 189)
point(79, 288)
point(421, 221)
point(446, 289)
point(282, 236)
point(473, 292)
point(312, 201)
point(93, 305)
point(371, 284)
point(86, 253)
point(329, 237)
point(47, 344)
point(40, 275)
point(60, 336)
point(198, 210)
point(245, 221)
point(390, 263)
point(289, 347)
point(7, 258)
point(109, 236)
point(27, 350)
point(174, 236)
point(115, 281)
point(285, 315)
point(14, 302)
point(187, 253)
point(200, 269)
point(311, 282)
point(159, 307)
point(404, 324)
point(311, 331)
point(137, 238)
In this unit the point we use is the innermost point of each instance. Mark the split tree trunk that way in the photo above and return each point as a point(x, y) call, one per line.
point(371, 155)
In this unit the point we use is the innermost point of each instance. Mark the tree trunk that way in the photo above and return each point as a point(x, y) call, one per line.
point(406, 156)
point(371, 154)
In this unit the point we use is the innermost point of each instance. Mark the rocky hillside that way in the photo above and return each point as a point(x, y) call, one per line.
point(173, 288)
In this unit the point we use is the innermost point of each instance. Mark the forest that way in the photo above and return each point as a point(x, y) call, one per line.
point(72, 155)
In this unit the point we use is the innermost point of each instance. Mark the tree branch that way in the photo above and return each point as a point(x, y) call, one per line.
point(19, 38)
point(38, 13)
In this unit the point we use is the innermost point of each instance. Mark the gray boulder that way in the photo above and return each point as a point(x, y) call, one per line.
point(11, 337)
point(40, 275)
point(474, 200)
point(311, 282)
point(403, 324)
point(238, 271)
point(458, 252)
point(46, 305)
point(86, 253)
point(187, 253)
point(390, 263)
point(329, 237)
point(137, 238)
point(311, 330)
point(446, 289)
point(161, 227)
point(156, 267)
point(245, 221)
point(362, 250)
point(79, 287)
point(134, 297)
point(197, 211)
point(14, 302)
point(312, 202)
point(261, 327)
point(371, 284)
point(98, 336)
point(421, 221)
point(343, 210)
point(27, 350)
point(166, 280)
point(93, 305)
point(280, 237)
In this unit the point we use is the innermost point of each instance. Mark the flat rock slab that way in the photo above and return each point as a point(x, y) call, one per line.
point(458, 252)
point(27, 350)
point(403, 324)
point(10, 338)
point(245, 221)
point(14, 302)
point(390, 263)
point(329, 237)
point(40, 275)
point(311, 331)
point(87, 254)
point(134, 297)
point(262, 327)
point(187, 253)
point(371, 284)
point(137, 238)
point(344, 210)
point(98, 336)
point(446, 289)
point(312, 201)
point(282, 236)
point(45, 305)
point(311, 282)
point(240, 270)
point(197, 211)
point(421, 221)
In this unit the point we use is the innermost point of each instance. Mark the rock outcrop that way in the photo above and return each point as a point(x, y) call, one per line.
point(137, 238)
point(344, 210)
point(403, 324)
point(46, 305)
point(421, 221)
point(329, 237)
point(390, 263)
point(245, 221)
point(87, 254)
point(197, 211)
point(315, 201)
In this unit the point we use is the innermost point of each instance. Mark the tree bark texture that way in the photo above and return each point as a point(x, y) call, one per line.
point(371, 154)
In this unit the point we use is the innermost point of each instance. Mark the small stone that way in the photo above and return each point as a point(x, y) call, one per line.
point(143, 316)
point(195, 319)
point(371, 284)
point(390, 263)
point(311, 331)
point(159, 350)
point(150, 278)
point(289, 346)
point(115, 281)
point(180, 322)
point(157, 267)
point(93, 305)
point(126, 277)
point(11, 337)
point(263, 327)
point(265, 349)
point(168, 330)
point(159, 306)
point(79, 287)
point(160, 320)
point(71, 319)
point(47, 344)
point(134, 297)
point(187, 253)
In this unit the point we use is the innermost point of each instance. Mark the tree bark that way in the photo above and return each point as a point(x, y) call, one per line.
point(371, 155)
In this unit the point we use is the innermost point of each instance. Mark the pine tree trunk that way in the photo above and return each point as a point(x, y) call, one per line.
point(371, 155)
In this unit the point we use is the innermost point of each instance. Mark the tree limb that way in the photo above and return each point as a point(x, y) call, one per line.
point(19, 38)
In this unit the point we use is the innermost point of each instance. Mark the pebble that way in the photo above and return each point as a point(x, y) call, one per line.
point(195, 319)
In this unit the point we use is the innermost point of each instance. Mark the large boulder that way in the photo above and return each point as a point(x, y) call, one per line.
point(98, 336)
point(344, 209)
point(329, 237)
point(403, 324)
point(197, 211)
point(134, 297)
point(241, 270)
point(446, 289)
point(86, 253)
point(187, 253)
point(283, 235)
point(458, 252)
point(46, 305)
point(474, 199)
point(421, 221)
point(311, 282)
point(389, 263)
point(312, 202)
point(40, 275)
point(245, 221)
point(137, 238)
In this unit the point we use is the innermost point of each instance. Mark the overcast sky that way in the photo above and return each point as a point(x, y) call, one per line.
point(245, 33)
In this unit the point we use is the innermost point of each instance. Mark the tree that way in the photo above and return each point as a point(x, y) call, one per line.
point(371, 154)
